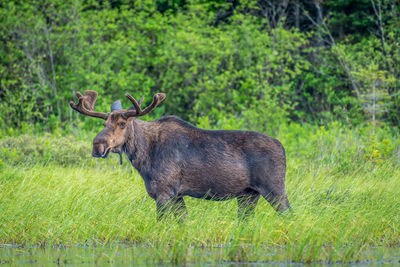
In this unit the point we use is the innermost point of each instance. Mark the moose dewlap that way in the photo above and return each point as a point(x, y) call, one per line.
point(176, 159)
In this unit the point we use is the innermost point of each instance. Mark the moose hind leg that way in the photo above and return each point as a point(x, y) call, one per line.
point(279, 201)
point(247, 204)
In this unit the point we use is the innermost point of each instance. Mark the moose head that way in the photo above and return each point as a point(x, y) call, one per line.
point(117, 125)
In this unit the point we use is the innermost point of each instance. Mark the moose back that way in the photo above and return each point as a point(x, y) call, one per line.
point(176, 159)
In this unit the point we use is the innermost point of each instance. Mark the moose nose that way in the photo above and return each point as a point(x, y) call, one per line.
point(98, 149)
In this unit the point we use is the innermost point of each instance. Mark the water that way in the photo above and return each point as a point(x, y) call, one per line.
point(122, 254)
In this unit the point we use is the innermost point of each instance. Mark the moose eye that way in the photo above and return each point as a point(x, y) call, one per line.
point(122, 124)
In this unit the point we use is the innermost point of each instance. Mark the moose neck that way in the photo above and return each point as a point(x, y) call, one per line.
point(140, 139)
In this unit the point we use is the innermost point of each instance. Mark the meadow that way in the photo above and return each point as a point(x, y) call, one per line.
point(320, 76)
point(343, 185)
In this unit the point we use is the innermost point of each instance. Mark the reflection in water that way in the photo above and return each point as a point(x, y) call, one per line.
point(123, 254)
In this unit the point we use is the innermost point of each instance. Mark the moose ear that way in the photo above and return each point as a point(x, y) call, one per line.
point(116, 106)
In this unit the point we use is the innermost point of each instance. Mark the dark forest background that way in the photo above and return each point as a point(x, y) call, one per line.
point(251, 64)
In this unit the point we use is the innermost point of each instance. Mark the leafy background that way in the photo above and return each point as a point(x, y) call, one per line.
point(320, 76)
point(223, 64)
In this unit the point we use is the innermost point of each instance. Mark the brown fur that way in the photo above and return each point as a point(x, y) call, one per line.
point(177, 159)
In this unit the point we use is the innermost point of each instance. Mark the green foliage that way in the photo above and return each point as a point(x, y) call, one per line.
point(216, 60)
point(375, 75)
point(333, 144)
point(27, 149)
point(344, 203)
point(306, 73)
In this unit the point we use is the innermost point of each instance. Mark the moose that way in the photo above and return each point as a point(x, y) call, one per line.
point(177, 159)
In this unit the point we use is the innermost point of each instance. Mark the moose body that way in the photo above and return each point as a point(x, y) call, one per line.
point(176, 159)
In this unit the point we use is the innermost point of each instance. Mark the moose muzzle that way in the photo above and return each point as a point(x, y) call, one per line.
point(101, 148)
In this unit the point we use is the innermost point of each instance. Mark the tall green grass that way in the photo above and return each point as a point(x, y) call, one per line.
point(344, 203)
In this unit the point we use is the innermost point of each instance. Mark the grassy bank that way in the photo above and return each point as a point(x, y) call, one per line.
point(343, 206)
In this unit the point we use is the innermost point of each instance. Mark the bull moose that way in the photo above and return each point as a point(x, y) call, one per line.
point(177, 159)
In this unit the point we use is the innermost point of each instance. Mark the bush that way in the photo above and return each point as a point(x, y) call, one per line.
point(29, 149)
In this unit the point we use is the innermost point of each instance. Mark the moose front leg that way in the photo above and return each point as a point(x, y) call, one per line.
point(179, 209)
point(163, 203)
point(176, 205)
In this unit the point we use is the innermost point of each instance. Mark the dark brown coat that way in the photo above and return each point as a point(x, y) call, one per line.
point(176, 159)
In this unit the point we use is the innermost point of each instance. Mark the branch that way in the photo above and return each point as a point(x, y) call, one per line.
point(324, 28)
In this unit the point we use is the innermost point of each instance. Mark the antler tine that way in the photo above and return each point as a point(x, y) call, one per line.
point(135, 103)
point(86, 103)
point(157, 99)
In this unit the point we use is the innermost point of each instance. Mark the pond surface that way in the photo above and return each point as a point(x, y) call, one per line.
point(120, 254)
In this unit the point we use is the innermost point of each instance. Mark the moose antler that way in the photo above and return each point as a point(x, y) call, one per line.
point(86, 103)
point(157, 99)
point(139, 103)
